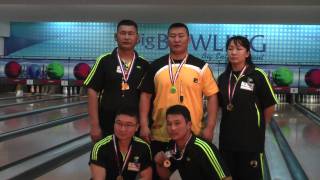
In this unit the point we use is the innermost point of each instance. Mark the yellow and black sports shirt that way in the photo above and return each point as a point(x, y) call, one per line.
point(194, 81)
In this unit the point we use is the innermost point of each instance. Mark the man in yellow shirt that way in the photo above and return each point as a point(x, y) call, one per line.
point(177, 78)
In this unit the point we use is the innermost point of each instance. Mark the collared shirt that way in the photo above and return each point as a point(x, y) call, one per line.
point(195, 80)
point(201, 160)
point(105, 77)
point(243, 128)
point(103, 154)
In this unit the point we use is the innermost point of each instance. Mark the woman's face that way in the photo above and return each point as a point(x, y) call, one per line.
point(237, 54)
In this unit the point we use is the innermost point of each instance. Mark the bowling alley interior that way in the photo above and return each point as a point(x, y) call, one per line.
point(47, 50)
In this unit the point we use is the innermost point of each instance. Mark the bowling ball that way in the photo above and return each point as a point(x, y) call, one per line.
point(12, 69)
point(81, 71)
point(312, 78)
point(55, 70)
point(34, 71)
point(282, 76)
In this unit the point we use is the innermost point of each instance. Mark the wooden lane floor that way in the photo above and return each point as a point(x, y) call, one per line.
point(21, 147)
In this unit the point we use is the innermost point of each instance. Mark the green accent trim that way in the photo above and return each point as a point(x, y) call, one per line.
point(93, 70)
point(261, 162)
point(211, 156)
point(258, 114)
point(135, 138)
point(267, 80)
point(96, 147)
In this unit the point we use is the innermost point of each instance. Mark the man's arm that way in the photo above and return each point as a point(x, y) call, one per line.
point(146, 174)
point(268, 112)
point(95, 130)
point(97, 172)
point(212, 109)
point(144, 108)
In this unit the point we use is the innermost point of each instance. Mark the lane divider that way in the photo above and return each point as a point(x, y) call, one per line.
point(291, 160)
point(307, 112)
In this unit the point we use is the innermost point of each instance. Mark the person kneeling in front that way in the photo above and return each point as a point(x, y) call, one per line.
point(188, 156)
point(122, 155)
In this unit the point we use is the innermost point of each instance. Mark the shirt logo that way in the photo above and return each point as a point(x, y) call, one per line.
point(195, 80)
point(136, 159)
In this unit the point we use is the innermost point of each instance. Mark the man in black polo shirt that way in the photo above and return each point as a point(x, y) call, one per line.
point(188, 156)
point(114, 78)
point(122, 155)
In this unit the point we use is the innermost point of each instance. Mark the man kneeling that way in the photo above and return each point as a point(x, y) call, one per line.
point(188, 156)
point(122, 155)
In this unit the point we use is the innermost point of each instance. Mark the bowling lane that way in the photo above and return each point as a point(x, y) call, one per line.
point(24, 146)
point(12, 95)
point(26, 99)
point(33, 119)
point(313, 107)
point(73, 170)
point(7, 95)
point(39, 105)
point(303, 136)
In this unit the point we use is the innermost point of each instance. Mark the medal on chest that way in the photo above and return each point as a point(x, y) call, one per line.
point(125, 161)
point(230, 105)
point(174, 77)
point(119, 177)
point(126, 72)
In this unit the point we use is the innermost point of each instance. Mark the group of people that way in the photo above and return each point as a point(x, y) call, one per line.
point(147, 119)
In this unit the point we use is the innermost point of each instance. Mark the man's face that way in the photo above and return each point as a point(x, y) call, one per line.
point(177, 126)
point(127, 37)
point(125, 126)
point(178, 40)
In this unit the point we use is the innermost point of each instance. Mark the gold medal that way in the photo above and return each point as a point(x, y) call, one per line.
point(166, 163)
point(230, 107)
point(119, 177)
point(173, 89)
point(124, 86)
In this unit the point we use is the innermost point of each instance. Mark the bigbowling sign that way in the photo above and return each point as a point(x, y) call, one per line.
point(286, 44)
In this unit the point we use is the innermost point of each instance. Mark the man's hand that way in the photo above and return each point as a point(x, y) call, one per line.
point(145, 134)
point(95, 133)
point(208, 134)
point(159, 158)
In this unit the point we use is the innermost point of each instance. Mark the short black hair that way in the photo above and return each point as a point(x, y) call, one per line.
point(131, 111)
point(179, 109)
point(178, 25)
point(127, 22)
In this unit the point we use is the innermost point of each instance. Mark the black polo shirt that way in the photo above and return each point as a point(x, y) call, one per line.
point(201, 160)
point(103, 154)
point(243, 128)
point(106, 78)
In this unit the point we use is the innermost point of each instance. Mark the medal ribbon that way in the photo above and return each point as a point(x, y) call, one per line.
point(230, 94)
point(184, 148)
point(117, 155)
point(126, 74)
point(173, 78)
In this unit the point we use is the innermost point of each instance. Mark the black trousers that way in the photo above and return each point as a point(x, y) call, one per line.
point(244, 165)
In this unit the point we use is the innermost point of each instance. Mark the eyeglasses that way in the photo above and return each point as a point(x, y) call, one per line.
point(125, 125)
